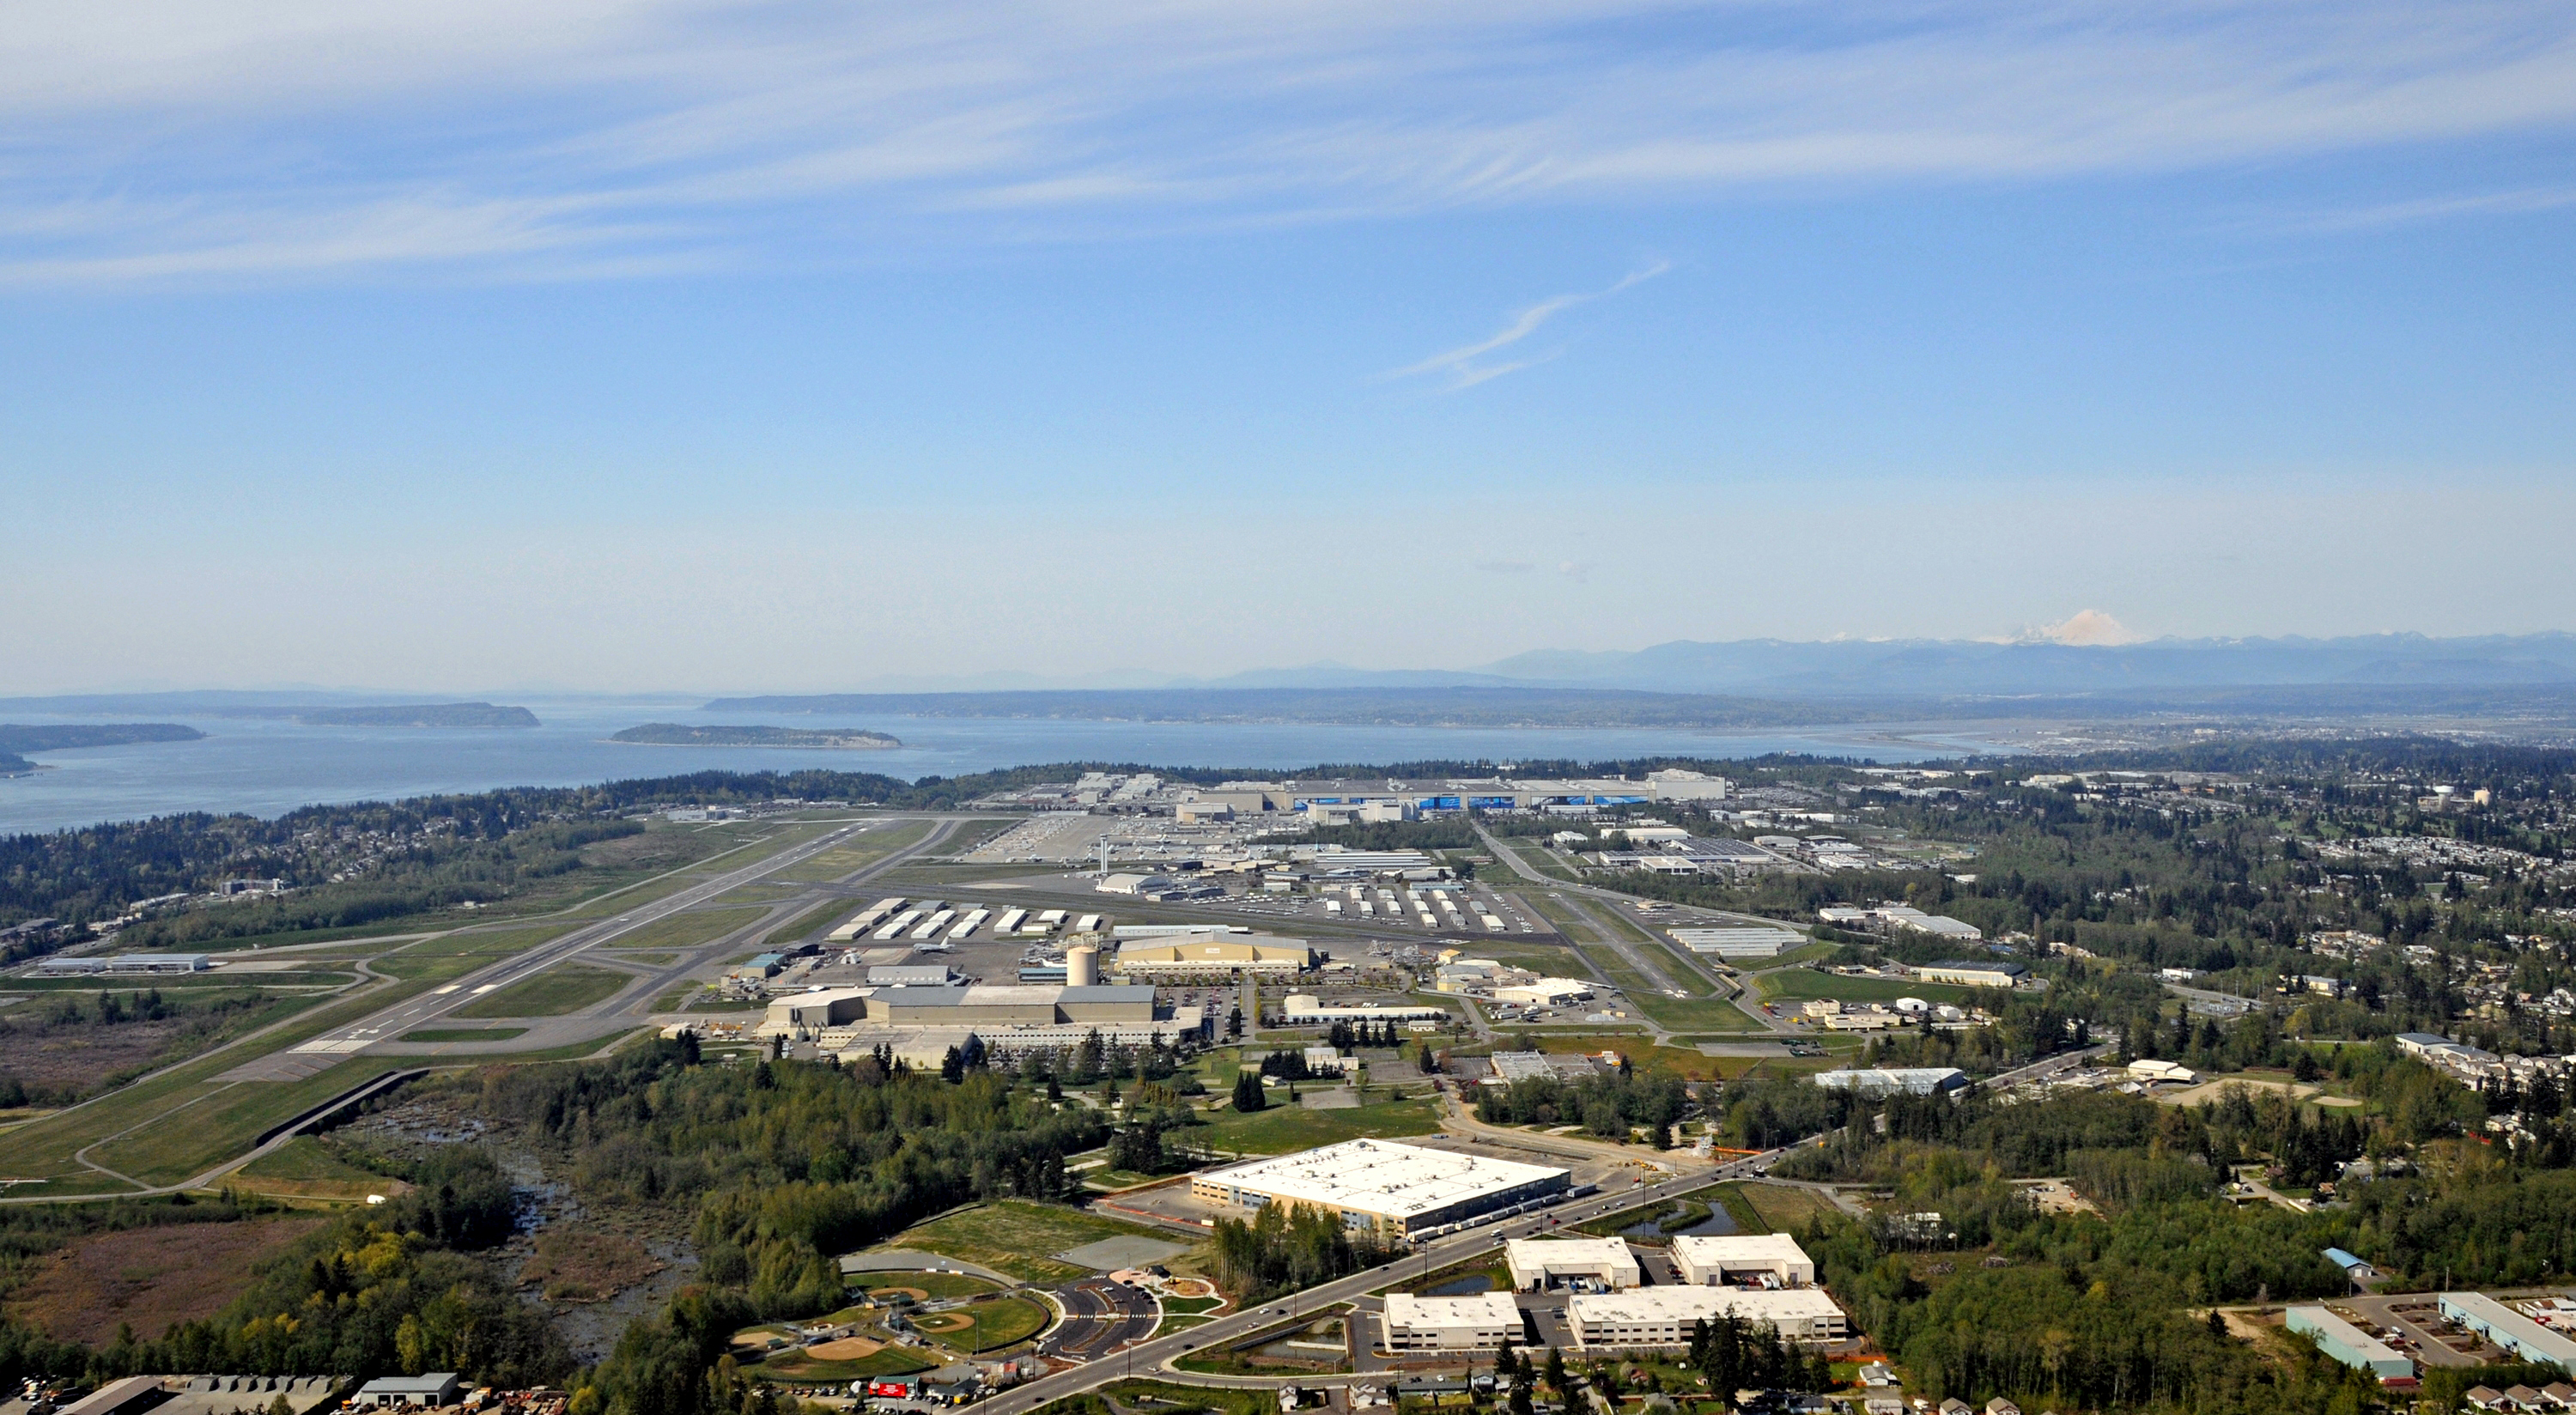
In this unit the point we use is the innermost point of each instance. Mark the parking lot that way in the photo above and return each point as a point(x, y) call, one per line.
point(2412, 1323)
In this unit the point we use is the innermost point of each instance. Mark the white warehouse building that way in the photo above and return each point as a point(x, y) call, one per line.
point(1664, 1316)
point(1753, 1259)
point(1750, 941)
point(1478, 1323)
point(1305, 1007)
point(1395, 1190)
point(1536, 1263)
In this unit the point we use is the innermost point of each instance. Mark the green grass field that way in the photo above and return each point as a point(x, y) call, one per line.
point(985, 1326)
point(1554, 960)
point(1800, 984)
point(1696, 1014)
point(464, 1034)
point(670, 1001)
point(1016, 1237)
point(1772, 1208)
point(495, 943)
point(671, 858)
point(1283, 1128)
point(855, 854)
point(811, 921)
point(574, 1051)
point(220, 1121)
point(304, 1168)
point(1787, 1208)
point(971, 835)
point(177, 985)
point(304, 1158)
point(690, 929)
point(552, 993)
point(357, 932)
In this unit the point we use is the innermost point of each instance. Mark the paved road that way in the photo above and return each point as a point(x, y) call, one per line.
point(1719, 987)
point(2044, 1068)
point(1100, 1317)
point(1151, 1356)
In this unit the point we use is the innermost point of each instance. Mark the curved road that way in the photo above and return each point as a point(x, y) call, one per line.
point(1153, 1355)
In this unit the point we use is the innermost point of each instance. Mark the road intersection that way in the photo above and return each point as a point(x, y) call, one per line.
point(1155, 1356)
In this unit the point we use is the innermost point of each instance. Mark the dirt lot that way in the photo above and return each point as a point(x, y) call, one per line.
point(73, 1060)
point(587, 1267)
point(147, 1277)
point(2209, 1091)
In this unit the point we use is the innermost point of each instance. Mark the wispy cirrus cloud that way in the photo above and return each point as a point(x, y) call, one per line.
point(1462, 367)
point(270, 138)
point(2521, 201)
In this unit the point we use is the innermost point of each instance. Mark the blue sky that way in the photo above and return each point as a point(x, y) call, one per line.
point(608, 345)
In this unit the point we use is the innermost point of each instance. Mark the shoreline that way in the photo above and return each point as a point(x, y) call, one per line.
point(888, 746)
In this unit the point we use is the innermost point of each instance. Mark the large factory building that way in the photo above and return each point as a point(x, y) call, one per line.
point(1396, 1191)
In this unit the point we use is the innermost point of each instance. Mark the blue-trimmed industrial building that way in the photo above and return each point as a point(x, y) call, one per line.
point(2526, 1339)
point(2349, 1344)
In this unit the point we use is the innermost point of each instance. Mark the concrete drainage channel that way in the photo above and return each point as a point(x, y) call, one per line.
point(337, 1107)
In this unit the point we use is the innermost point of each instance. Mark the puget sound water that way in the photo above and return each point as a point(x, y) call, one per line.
point(266, 767)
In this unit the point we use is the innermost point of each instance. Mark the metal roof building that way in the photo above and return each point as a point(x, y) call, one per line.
point(1207, 954)
point(427, 1388)
point(1536, 1262)
point(2509, 1329)
point(1710, 1260)
point(1478, 1323)
point(1664, 1316)
point(1397, 1190)
point(1738, 942)
point(2348, 1344)
point(1972, 972)
point(1913, 1080)
point(1307, 1007)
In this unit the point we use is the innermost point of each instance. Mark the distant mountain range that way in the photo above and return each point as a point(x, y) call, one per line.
point(1739, 684)
point(1778, 683)
point(1952, 667)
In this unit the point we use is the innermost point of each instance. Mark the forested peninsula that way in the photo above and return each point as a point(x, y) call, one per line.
point(675, 734)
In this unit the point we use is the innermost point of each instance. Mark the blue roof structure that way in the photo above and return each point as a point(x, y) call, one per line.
point(2344, 1260)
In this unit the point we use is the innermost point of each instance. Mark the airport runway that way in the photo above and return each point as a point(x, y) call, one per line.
point(385, 1027)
